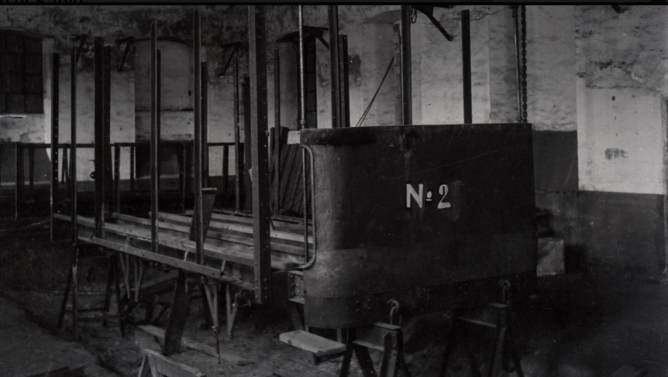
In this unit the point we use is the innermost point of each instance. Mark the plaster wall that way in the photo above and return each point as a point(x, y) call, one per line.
point(622, 62)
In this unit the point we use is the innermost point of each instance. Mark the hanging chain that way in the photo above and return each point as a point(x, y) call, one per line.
point(524, 64)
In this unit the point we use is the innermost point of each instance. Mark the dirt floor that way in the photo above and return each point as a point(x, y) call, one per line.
point(576, 325)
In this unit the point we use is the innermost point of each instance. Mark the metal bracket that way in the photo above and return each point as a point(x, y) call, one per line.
point(129, 44)
point(428, 10)
point(236, 46)
point(83, 40)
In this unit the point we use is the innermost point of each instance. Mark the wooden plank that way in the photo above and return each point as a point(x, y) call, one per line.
point(315, 344)
point(281, 235)
point(193, 345)
point(284, 218)
point(235, 253)
point(189, 266)
point(221, 233)
point(162, 365)
point(285, 223)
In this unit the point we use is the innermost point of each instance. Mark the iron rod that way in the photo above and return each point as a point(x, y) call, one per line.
point(55, 104)
point(108, 178)
point(466, 65)
point(73, 143)
point(154, 138)
point(302, 96)
point(259, 153)
point(199, 211)
point(226, 169)
point(31, 170)
point(99, 135)
point(205, 124)
point(344, 87)
point(406, 66)
point(277, 131)
point(517, 63)
point(238, 155)
point(132, 168)
point(159, 112)
point(302, 124)
point(335, 69)
point(524, 64)
point(20, 181)
point(117, 177)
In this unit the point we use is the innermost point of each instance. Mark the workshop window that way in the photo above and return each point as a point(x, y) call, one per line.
point(20, 73)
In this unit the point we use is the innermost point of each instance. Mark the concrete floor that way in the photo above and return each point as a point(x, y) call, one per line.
point(589, 324)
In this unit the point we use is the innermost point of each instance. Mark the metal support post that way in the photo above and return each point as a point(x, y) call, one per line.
point(108, 173)
point(199, 213)
point(247, 185)
point(258, 104)
point(154, 138)
point(132, 168)
point(466, 65)
point(31, 171)
point(406, 76)
point(237, 146)
point(226, 169)
point(159, 112)
point(524, 63)
point(277, 132)
point(20, 181)
point(54, 142)
point(117, 177)
point(181, 159)
point(344, 87)
point(205, 124)
point(99, 135)
point(302, 125)
point(517, 62)
point(335, 70)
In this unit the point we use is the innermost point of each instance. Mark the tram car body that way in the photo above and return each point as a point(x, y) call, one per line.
point(432, 217)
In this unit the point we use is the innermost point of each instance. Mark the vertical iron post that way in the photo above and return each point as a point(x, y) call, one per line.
point(466, 66)
point(31, 170)
point(154, 138)
point(108, 173)
point(517, 63)
point(181, 160)
point(132, 168)
point(199, 211)
point(302, 86)
point(344, 87)
point(246, 163)
point(205, 124)
point(73, 150)
point(117, 177)
point(226, 169)
point(159, 112)
point(406, 64)
point(524, 63)
point(259, 153)
point(99, 136)
point(335, 69)
point(20, 181)
point(54, 141)
point(237, 147)
point(302, 124)
point(277, 131)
